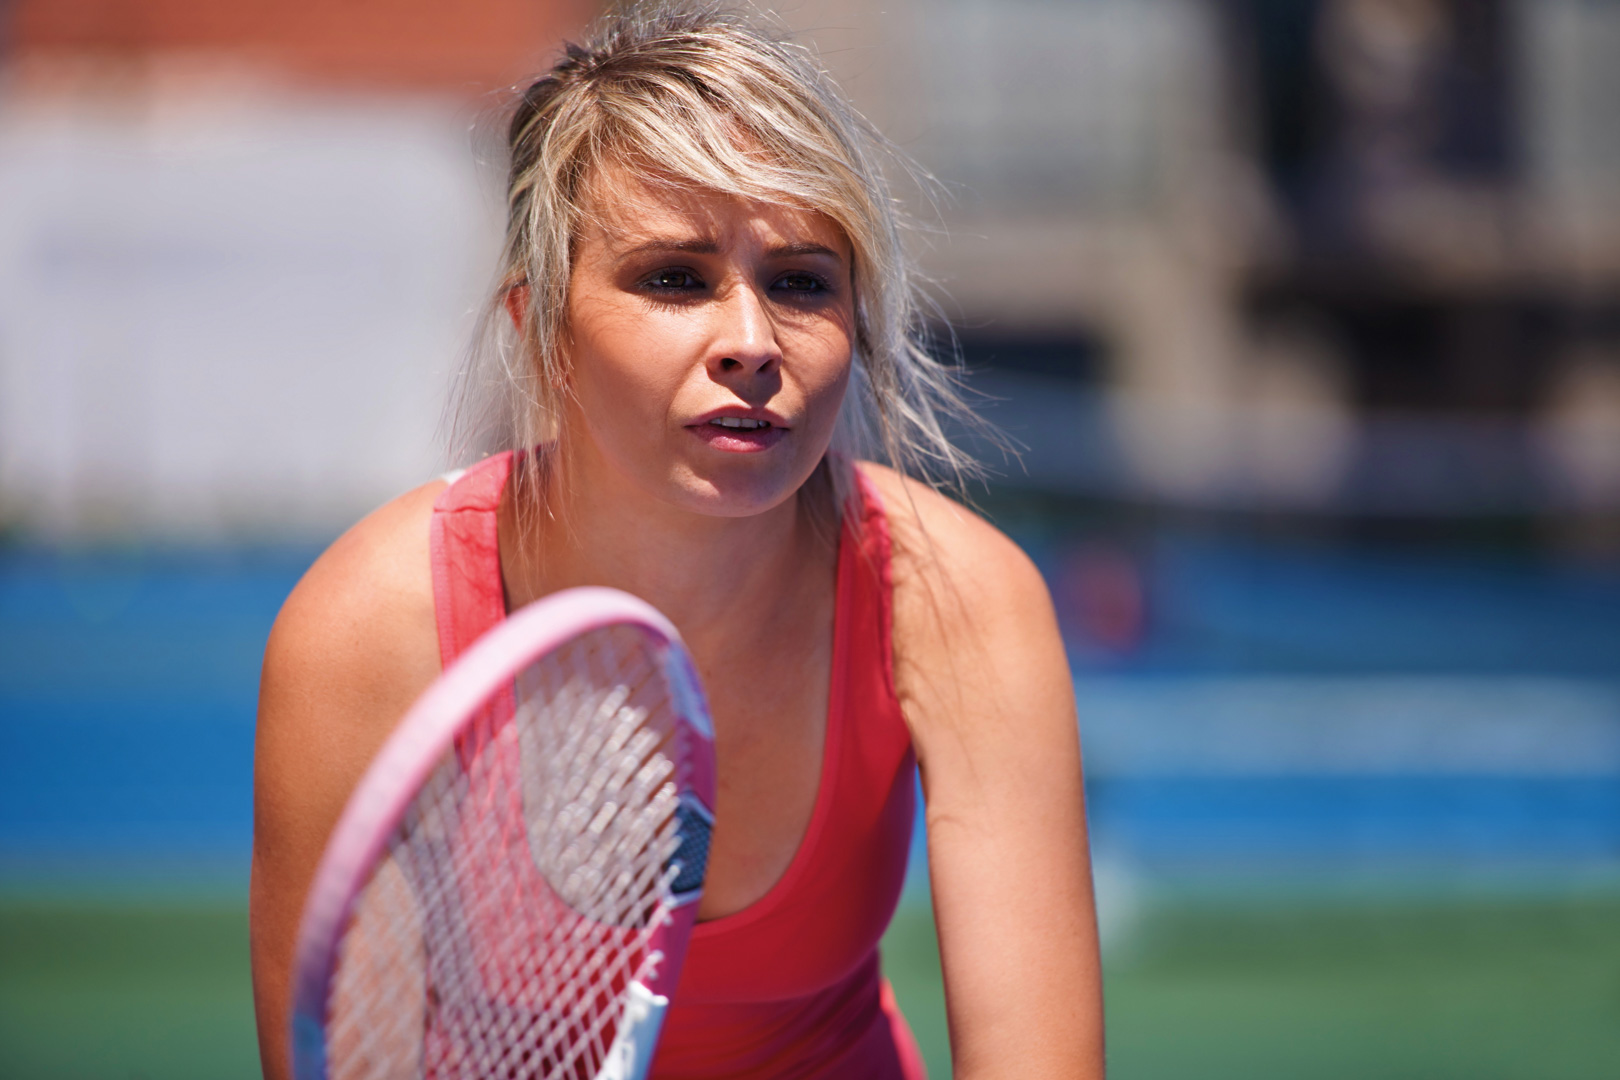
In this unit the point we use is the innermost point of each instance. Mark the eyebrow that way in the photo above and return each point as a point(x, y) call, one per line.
point(784, 251)
point(705, 246)
point(691, 247)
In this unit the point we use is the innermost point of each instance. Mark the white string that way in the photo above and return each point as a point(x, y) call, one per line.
point(515, 904)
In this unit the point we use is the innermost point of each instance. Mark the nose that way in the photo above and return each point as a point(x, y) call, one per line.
point(745, 342)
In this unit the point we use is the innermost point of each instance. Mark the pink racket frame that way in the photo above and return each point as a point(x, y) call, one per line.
point(428, 732)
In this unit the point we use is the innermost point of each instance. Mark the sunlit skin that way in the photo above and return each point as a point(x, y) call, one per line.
point(686, 306)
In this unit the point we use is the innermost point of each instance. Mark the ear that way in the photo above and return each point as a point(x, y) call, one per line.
point(517, 304)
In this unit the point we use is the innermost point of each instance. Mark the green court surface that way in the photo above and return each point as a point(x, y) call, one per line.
point(120, 989)
point(1464, 989)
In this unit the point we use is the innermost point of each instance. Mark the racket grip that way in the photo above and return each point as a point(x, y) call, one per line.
point(309, 1047)
point(631, 1054)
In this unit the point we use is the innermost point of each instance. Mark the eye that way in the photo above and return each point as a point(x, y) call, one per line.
point(802, 282)
point(672, 279)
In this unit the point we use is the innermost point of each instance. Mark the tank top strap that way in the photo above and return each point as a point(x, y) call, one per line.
point(871, 536)
point(468, 595)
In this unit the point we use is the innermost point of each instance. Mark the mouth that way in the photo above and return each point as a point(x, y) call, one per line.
point(739, 434)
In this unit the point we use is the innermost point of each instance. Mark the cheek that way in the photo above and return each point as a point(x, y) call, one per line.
point(829, 391)
point(617, 374)
point(825, 379)
point(621, 390)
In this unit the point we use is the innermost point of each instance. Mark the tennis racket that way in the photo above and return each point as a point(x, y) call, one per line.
point(510, 889)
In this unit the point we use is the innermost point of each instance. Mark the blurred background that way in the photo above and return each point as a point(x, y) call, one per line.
point(1304, 313)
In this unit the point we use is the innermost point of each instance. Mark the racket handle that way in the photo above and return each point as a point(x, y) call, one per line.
point(630, 1056)
point(309, 1046)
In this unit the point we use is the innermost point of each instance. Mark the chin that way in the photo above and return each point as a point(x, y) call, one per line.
point(740, 490)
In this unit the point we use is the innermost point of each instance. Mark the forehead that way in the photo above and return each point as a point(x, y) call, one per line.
point(625, 208)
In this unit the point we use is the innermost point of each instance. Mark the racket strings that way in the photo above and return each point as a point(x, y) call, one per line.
point(518, 897)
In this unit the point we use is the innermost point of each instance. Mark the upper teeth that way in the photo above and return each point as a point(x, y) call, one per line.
point(739, 422)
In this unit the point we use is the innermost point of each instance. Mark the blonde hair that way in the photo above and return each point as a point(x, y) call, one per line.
point(695, 96)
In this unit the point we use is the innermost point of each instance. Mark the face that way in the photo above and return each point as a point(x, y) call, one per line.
point(709, 342)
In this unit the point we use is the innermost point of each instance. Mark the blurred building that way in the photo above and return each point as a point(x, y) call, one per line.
point(239, 246)
point(1355, 256)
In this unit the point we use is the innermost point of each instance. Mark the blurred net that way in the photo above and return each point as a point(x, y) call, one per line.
point(517, 899)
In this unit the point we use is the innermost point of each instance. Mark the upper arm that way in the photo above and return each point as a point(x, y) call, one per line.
point(353, 646)
point(984, 682)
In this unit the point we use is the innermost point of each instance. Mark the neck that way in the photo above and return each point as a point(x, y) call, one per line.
point(701, 571)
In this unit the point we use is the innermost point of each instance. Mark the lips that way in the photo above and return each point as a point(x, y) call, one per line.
point(740, 431)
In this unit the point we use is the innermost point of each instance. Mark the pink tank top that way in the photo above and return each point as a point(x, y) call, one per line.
point(790, 986)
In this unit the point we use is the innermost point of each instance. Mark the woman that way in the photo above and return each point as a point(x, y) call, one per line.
point(705, 299)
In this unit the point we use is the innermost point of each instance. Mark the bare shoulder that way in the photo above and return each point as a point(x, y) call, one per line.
point(361, 620)
point(971, 611)
point(353, 646)
point(376, 570)
point(947, 556)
